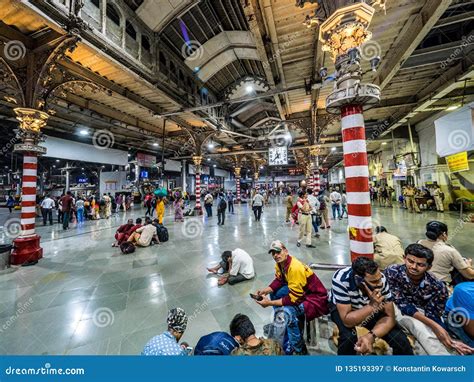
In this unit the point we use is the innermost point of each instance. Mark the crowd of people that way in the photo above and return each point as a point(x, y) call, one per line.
point(408, 303)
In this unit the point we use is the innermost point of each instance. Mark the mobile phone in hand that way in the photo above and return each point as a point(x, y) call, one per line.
point(256, 297)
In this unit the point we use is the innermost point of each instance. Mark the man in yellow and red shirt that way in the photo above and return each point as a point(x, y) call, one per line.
point(295, 292)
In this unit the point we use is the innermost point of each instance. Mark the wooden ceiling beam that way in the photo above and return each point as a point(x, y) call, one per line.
point(413, 32)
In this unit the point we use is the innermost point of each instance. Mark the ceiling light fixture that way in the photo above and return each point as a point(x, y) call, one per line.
point(384, 143)
point(211, 145)
point(333, 149)
point(249, 89)
point(155, 144)
point(84, 132)
point(452, 107)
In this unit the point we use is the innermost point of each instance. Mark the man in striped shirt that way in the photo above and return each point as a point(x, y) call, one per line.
point(360, 297)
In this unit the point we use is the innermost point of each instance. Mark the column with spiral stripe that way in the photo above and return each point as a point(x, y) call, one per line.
point(357, 181)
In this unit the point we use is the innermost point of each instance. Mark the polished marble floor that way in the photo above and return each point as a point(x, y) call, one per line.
point(85, 297)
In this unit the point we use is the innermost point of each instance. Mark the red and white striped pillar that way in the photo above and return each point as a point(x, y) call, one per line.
point(197, 166)
point(316, 183)
point(26, 247)
point(237, 183)
point(357, 181)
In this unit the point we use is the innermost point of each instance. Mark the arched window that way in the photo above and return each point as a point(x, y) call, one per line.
point(145, 43)
point(113, 15)
point(130, 30)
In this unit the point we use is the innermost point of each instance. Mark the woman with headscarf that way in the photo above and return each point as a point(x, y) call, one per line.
point(446, 258)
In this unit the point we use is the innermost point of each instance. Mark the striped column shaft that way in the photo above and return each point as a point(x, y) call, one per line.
point(357, 181)
point(316, 184)
point(28, 197)
point(237, 185)
point(198, 189)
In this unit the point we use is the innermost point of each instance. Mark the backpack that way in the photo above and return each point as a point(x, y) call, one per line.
point(162, 233)
point(127, 248)
point(222, 204)
point(217, 343)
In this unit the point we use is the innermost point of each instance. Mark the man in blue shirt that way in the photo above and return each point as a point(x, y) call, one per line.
point(420, 299)
point(167, 342)
point(459, 314)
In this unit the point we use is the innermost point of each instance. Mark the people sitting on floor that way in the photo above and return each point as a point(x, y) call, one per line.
point(167, 342)
point(217, 343)
point(121, 232)
point(143, 236)
point(242, 329)
point(447, 260)
point(459, 313)
point(388, 248)
point(295, 293)
point(360, 297)
point(237, 266)
point(420, 300)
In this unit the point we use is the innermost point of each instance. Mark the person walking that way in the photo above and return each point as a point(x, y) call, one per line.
point(289, 206)
point(323, 207)
point(208, 200)
point(108, 205)
point(257, 206)
point(160, 209)
point(221, 208)
point(314, 203)
point(118, 202)
point(438, 196)
point(230, 202)
point(148, 204)
point(410, 199)
point(47, 206)
point(178, 209)
point(10, 203)
point(80, 210)
point(67, 203)
point(304, 219)
point(344, 204)
point(59, 206)
point(335, 198)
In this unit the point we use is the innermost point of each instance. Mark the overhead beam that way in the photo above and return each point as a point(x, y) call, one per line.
point(413, 32)
point(254, 17)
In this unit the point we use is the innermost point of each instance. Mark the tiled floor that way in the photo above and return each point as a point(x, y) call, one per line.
point(85, 297)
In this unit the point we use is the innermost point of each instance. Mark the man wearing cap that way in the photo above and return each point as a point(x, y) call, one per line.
point(295, 293)
point(167, 342)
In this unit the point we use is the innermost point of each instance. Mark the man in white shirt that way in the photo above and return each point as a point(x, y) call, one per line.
point(335, 198)
point(238, 264)
point(144, 235)
point(257, 205)
point(208, 200)
point(47, 206)
point(314, 203)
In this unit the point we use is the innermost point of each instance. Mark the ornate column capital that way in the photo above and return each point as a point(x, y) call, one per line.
point(31, 123)
point(197, 160)
point(237, 171)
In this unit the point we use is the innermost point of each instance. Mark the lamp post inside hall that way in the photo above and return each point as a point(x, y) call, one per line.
point(342, 34)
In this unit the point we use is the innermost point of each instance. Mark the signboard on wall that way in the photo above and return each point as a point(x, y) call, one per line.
point(401, 172)
point(458, 162)
point(146, 160)
point(455, 132)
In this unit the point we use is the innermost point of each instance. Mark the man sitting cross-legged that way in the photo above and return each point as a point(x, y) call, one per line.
point(238, 264)
point(420, 301)
point(359, 297)
point(143, 236)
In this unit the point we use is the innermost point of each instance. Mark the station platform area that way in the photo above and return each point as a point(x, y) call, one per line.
point(85, 297)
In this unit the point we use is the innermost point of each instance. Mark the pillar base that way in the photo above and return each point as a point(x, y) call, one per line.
point(26, 250)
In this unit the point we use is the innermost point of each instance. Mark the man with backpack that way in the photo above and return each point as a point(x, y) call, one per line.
point(143, 236)
point(216, 343)
point(221, 208)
